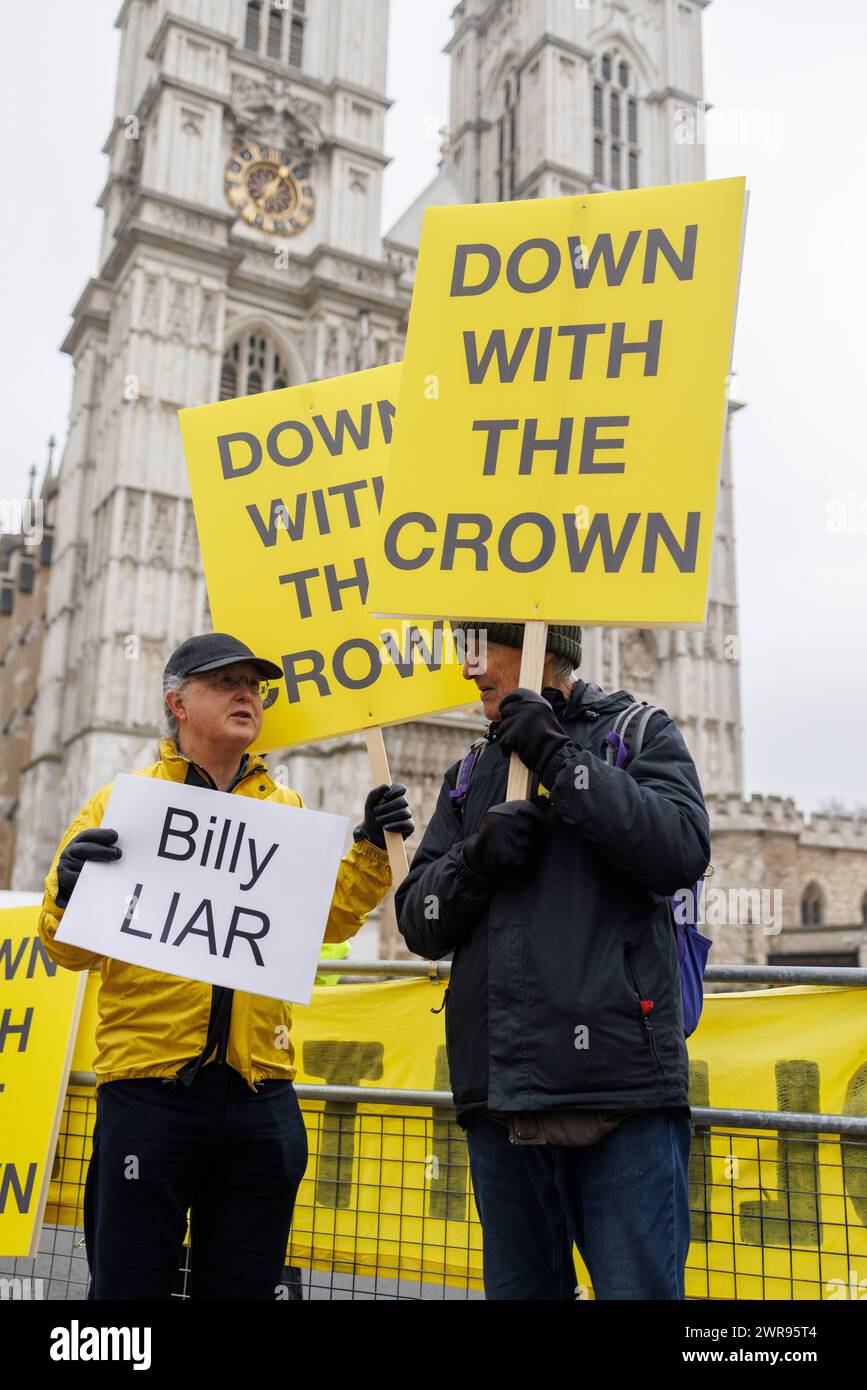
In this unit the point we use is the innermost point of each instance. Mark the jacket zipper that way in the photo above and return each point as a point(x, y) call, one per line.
point(259, 767)
point(444, 1005)
point(645, 1014)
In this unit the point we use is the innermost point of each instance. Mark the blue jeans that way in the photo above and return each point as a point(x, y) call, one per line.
point(624, 1201)
point(231, 1157)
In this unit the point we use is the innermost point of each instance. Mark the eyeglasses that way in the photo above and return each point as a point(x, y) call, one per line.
point(227, 684)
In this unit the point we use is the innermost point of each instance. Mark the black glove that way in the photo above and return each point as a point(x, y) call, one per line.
point(508, 838)
point(386, 808)
point(98, 845)
point(529, 727)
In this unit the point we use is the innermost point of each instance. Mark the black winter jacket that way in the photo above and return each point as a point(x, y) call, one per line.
point(575, 942)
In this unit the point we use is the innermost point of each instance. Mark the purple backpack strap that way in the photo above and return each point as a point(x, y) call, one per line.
point(465, 772)
point(615, 741)
point(614, 738)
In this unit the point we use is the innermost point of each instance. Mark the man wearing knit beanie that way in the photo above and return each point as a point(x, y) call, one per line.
point(504, 642)
point(563, 1016)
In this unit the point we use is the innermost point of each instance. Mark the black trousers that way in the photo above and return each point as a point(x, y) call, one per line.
point(231, 1158)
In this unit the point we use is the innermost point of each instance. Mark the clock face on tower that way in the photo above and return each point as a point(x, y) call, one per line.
point(269, 189)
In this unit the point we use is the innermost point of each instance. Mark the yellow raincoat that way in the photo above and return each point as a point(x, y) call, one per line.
point(151, 1023)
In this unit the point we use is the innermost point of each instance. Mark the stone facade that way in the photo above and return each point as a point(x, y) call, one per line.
point(789, 888)
point(25, 566)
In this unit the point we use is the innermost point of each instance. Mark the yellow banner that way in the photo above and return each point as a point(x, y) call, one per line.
point(287, 487)
point(387, 1189)
point(38, 1023)
point(561, 409)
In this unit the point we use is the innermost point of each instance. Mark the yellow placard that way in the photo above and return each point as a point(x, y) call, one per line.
point(39, 1011)
point(287, 487)
point(387, 1189)
point(561, 410)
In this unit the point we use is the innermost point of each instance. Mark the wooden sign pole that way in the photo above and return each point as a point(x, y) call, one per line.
point(379, 767)
point(532, 668)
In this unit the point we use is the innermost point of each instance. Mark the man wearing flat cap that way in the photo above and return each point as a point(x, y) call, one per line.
point(563, 1016)
point(194, 1081)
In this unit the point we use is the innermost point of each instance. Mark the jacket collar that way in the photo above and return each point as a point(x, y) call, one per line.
point(176, 763)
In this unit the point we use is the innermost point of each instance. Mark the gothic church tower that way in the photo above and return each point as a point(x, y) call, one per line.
point(240, 252)
point(551, 98)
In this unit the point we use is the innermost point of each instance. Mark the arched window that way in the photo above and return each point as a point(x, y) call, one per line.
point(622, 124)
point(275, 34)
point(812, 906)
point(229, 375)
point(281, 42)
point(296, 33)
point(507, 141)
point(252, 364)
point(616, 175)
point(251, 26)
point(598, 161)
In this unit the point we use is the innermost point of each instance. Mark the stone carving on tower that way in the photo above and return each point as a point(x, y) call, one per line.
point(268, 109)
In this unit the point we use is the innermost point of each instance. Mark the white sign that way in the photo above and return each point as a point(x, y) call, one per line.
point(210, 886)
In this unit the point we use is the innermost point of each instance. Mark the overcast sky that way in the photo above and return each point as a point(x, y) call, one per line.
point(786, 79)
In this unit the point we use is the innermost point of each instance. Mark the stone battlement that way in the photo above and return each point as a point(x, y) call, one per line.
point(781, 815)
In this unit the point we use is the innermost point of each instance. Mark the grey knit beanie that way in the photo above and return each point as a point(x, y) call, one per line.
point(561, 640)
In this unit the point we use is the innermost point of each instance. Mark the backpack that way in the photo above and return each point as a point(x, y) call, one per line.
point(624, 742)
point(458, 794)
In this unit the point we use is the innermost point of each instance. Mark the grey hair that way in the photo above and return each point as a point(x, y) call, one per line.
point(561, 668)
point(171, 728)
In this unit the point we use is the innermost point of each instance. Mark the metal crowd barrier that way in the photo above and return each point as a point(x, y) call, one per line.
point(788, 1212)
